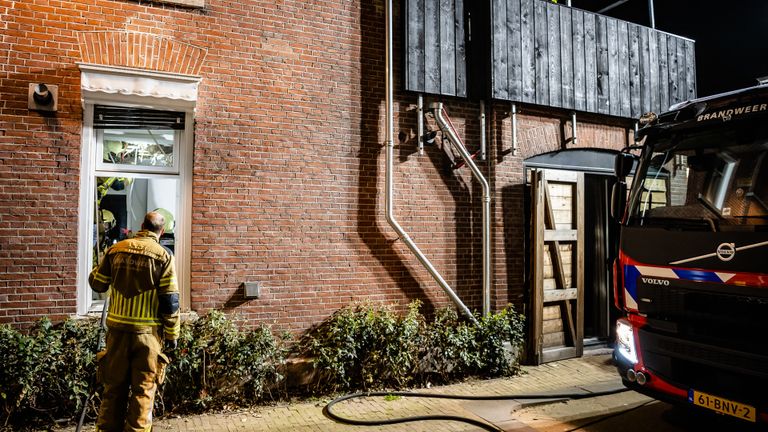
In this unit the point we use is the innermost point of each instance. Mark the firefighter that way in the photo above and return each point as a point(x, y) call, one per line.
point(143, 312)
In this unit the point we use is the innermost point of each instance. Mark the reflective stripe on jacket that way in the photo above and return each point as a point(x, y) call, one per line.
point(144, 292)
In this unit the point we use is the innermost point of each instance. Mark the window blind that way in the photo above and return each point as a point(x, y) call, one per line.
point(114, 117)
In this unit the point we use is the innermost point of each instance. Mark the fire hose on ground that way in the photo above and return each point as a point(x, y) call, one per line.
point(328, 411)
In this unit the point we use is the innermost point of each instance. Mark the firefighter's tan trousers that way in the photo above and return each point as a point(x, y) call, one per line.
point(130, 371)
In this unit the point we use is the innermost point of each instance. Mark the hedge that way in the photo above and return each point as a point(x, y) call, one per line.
point(48, 371)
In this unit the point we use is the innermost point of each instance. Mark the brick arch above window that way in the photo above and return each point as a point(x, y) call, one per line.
point(140, 51)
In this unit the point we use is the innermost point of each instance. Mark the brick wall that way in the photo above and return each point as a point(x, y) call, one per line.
point(288, 163)
point(39, 165)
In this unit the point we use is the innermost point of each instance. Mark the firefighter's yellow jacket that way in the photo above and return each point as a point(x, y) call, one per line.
point(144, 294)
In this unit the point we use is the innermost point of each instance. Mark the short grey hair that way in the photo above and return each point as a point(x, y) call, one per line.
point(154, 222)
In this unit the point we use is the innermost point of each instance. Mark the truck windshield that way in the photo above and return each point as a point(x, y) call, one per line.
point(712, 184)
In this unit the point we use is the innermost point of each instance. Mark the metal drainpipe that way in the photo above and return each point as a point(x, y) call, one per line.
point(635, 134)
point(390, 150)
point(611, 6)
point(651, 14)
point(420, 124)
point(447, 127)
point(482, 131)
point(514, 129)
point(573, 128)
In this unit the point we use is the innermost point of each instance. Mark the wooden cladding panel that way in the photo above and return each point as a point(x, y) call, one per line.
point(590, 67)
point(553, 50)
point(548, 54)
point(542, 59)
point(514, 46)
point(499, 26)
point(566, 57)
point(436, 59)
point(579, 60)
point(527, 54)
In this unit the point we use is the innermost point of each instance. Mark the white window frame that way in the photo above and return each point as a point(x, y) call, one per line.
point(89, 171)
point(106, 166)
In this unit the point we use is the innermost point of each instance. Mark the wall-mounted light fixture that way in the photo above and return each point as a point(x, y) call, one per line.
point(43, 97)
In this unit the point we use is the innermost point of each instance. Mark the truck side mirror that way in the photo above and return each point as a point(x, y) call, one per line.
point(623, 164)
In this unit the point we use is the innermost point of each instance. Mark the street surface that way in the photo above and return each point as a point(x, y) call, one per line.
point(640, 414)
point(627, 411)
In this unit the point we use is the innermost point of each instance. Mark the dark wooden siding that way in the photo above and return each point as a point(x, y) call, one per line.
point(548, 54)
point(435, 48)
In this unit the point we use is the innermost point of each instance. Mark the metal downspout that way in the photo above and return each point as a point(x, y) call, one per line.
point(390, 150)
point(575, 138)
point(482, 131)
point(611, 6)
point(447, 127)
point(420, 124)
point(513, 114)
point(651, 14)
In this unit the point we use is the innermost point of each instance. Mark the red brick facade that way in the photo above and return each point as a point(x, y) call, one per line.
point(288, 178)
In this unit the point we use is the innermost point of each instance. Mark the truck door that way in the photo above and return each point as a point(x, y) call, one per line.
point(557, 282)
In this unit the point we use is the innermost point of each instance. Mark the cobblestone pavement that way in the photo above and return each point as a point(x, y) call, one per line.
point(591, 373)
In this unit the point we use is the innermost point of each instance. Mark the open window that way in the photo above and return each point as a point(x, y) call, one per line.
point(136, 157)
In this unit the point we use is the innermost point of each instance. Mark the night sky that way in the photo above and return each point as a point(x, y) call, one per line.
point(731, 36)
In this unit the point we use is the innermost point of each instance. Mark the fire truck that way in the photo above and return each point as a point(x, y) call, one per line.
point(691, 273)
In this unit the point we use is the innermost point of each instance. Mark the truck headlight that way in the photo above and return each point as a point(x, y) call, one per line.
point(625, 340)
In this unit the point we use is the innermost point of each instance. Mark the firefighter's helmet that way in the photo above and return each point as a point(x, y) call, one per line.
point(107, 219)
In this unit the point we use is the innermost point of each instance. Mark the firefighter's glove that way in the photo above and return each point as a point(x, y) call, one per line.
point(170, 344)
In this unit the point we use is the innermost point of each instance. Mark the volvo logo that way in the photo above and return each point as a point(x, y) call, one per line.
point(652, 281)
point(726, 251)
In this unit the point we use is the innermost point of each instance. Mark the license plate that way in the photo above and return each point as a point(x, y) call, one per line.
point(722, 405)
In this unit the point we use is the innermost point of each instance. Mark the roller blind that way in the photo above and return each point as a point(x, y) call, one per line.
point(114, 117)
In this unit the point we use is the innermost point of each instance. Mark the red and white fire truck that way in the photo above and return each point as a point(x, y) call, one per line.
point(691, 275)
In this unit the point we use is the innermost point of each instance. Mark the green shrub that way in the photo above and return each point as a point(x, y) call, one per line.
point(450, 349)
point(218, 364)
point(365, 347)
point(46, 373)
point(494, 330)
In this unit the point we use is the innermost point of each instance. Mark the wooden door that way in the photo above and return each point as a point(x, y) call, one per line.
point(557, 283)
